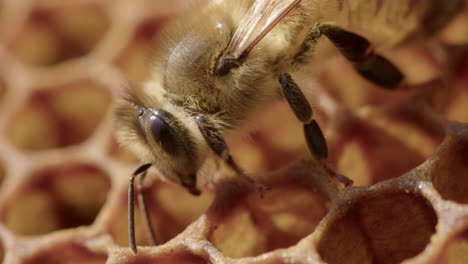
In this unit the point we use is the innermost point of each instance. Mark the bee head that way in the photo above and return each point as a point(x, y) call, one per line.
point(158, 136)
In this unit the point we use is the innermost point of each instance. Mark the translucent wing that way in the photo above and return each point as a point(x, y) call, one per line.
point(262, 16)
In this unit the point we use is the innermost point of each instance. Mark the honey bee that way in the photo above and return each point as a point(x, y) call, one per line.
point(215, 65)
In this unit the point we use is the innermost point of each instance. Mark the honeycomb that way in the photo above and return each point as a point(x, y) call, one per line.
point(64, 178)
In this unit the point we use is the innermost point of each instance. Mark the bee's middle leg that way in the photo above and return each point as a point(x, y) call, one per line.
point(312, 132)
point(302, 110)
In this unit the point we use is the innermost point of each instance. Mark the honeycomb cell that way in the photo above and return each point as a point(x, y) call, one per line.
point(67, 253)
point(457, 250)
point(173, 257)
point(280, 219)
point(450, 172)
point(64, 196)
point(134, 60)
point(54, 35)
point(59, 116)
point(382, 227)
point(239, 226)
point(171, 209)
point(369, 153)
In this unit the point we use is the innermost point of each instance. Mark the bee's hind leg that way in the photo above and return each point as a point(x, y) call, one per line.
point(357, 50)
point(312, 132)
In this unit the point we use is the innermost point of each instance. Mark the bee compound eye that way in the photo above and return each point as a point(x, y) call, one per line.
point(162, 133)
point(159, 128)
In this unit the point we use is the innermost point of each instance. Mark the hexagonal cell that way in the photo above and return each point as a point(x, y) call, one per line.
point(369, 153)
point(59, 117)
point(64, 196)
point(169, 258)
point(134, 60)
point(381, 227)
point(54, 35)
point(67, 253)
point(457, 250)
point(280, 219)
point(450, 171)
point(171, 209)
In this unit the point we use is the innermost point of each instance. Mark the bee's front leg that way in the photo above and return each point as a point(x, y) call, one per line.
point(216, 142)
point(312, 132)
point(357, 50)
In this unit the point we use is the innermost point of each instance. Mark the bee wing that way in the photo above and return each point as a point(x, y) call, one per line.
point(262, 16)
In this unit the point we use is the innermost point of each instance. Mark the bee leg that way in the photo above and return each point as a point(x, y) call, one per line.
point(216, 142)
point(301, 108)
point(312, 132)
point(131, 205)
point(357, 50)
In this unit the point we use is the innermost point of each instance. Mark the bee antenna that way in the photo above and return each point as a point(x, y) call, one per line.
point(131, 206)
